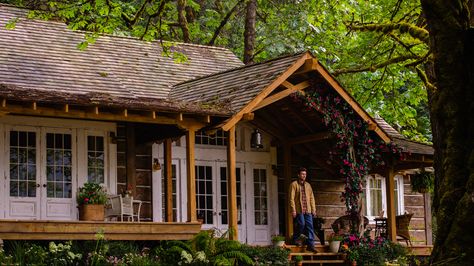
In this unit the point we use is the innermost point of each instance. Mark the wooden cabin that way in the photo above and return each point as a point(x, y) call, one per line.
point(124, 114)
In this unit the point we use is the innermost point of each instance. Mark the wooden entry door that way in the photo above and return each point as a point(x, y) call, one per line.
point(41, 177)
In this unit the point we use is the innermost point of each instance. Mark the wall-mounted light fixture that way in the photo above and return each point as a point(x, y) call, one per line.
point(113, 137)
point(256, 140)
point(156, 164)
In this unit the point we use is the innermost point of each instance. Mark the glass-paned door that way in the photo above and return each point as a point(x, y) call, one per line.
point(260, 196)
point(258, 229)
point(23, 174)
point(222, 204)
point(205, 192)
point(41, 173)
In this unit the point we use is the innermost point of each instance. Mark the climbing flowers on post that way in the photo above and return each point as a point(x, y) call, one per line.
point(355, 149)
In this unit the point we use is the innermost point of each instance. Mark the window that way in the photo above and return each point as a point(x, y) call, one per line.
point(260, 196)
point(22, 164)
point(95, 159)
point(224, 198)
point(218, 139)
point(204, 194)
point(59, 165)
point(375, 198)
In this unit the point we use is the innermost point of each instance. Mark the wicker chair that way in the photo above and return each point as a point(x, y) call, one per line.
point(402, 223)
point(119, 207)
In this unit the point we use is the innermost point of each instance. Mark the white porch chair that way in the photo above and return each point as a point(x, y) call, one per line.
point(120, 207)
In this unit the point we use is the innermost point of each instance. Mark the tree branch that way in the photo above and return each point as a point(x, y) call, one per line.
point(183, 23)
point(223, 22)
point(414, 31)
point(430, 86)
point(372, 68)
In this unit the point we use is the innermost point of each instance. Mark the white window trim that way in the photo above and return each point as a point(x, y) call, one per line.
point(401, 195)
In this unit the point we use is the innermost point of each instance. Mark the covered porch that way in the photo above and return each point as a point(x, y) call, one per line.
point(302, 138)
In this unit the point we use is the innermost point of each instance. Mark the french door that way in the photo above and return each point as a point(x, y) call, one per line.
point(41, 173)
point(212, 197)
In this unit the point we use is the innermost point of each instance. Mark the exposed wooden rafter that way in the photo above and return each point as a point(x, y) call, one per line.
point(226, 125)
point(282, 94)
point(310, 138)
point(65, 111)
point(348, 98)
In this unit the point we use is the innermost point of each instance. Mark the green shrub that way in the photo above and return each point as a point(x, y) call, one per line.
point(267, 255)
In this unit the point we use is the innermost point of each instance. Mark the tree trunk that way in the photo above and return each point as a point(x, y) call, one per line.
point(249, 33)
point(183, 23)
point(451, 110)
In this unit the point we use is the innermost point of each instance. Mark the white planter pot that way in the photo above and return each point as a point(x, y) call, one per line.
point(279, 243)
point(334, 246)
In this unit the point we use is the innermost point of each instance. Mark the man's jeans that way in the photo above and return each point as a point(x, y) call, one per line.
point(303, 224)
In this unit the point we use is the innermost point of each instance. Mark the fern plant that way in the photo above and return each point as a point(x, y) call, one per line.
point(206, 248)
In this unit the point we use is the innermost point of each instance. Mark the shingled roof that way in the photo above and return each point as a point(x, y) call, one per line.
point(237, 86)
point(43, 55)
point(401, 141)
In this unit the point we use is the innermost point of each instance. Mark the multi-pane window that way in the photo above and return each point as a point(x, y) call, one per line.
point(95, 159)
point(260, 196)
point(58, 165)
point(224, 197)
point(204, 194)
point(174, 195)
point(22, 164)
point(218, 139)
point(376, 194)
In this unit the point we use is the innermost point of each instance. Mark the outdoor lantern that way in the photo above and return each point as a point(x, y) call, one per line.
point(256, 140)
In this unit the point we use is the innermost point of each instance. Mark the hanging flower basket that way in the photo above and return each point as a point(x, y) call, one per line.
point(422, 182)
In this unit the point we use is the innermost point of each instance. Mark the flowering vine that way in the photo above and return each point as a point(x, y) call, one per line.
point(355, 149)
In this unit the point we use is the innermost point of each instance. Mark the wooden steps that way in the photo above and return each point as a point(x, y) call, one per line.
point(322, 257)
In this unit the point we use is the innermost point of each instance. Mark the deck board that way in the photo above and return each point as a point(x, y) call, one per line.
point(86, 230)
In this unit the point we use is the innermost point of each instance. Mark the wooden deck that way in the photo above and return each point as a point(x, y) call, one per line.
point(85, 230)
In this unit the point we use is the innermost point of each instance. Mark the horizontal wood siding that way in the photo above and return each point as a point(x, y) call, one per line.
point(327, 192)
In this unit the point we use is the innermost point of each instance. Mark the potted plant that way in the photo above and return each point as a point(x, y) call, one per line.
point(91, 199)
point(335, 242)
point(298, 260)
point(353, 256)
point(422, 182)
point(278, 241)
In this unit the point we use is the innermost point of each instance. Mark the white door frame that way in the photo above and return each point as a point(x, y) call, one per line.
point(58, 208)
point(258, 234)
point(41, 125)
point(22, 207)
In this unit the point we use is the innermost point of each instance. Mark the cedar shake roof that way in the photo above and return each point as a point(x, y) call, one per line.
point(401, 141)
point(238, 86)
point(43, 55)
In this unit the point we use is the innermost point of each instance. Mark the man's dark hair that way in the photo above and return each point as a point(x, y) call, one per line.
point(302, 169)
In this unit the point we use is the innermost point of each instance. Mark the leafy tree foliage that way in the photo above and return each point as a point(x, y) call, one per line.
point(377, 65)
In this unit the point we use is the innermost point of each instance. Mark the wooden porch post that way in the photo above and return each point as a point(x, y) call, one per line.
point(169, 182)
point(232, 184)
point(131, 154)
point(191, 178)
point(390, 187)
point(287, 178)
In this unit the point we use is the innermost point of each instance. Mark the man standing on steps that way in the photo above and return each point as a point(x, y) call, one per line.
point(302, 208)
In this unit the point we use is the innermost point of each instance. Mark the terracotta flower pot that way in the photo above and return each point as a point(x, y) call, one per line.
point(91, 212)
